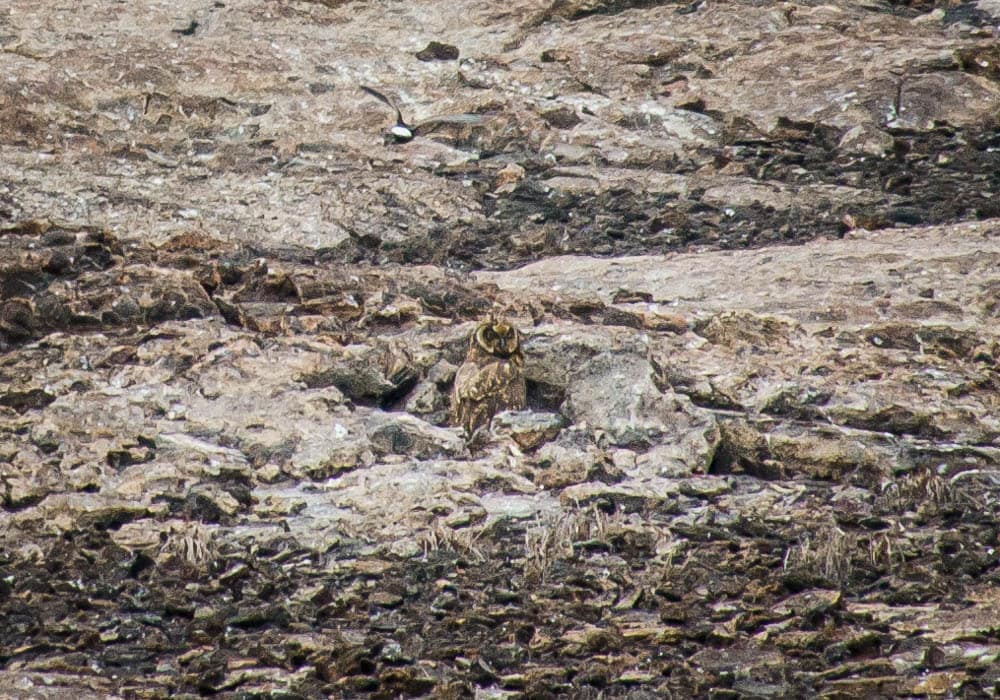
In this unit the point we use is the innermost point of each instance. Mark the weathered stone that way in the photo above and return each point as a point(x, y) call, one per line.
point(627, 496)
point(571, 461)
point(615, 393)
point(402, 434)
point(366, 374)
point(528, 429)
point(327, 450)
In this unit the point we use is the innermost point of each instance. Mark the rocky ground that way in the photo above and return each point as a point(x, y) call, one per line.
point(754, 249)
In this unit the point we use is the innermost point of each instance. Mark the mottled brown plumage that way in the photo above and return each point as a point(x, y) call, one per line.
point(491, 379)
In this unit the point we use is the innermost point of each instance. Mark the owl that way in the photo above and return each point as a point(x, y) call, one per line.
point(491, 379)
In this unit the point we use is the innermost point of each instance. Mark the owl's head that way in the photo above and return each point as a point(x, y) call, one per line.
point(497, 337)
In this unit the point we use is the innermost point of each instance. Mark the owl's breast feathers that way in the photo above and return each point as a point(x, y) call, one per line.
point(479, 378)
point(486, 385)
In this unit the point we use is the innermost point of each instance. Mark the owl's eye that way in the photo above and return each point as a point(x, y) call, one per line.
point(489, 334)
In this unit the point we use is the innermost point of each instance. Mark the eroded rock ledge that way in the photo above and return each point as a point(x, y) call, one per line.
point(260, 446)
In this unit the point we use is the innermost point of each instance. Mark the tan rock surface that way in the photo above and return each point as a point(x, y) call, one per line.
point(754, 251)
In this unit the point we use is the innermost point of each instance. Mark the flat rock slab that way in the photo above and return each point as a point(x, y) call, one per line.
point(936, 274)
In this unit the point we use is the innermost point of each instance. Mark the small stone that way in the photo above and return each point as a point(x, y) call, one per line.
point(932, 17)
point(943, 683)
point(808, 603)
point(385, 599)
point(591, 639)
point(269, 474)
point(529, 429)
point(866, 139)
point(371, 567)
point(705, 486)
point(636, 678)
point(436, 51)
point(507, 178)
point(392, 652)
point(401, 434)
point(561, 118)
point(513, 681)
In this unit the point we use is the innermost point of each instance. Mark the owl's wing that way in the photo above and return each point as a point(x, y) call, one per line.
point(475, 382)
point(483, 389)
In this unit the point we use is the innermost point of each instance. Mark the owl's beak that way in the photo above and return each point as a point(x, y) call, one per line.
point(503, 345)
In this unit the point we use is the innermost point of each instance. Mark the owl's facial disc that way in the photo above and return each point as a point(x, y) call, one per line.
point(497, 338)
